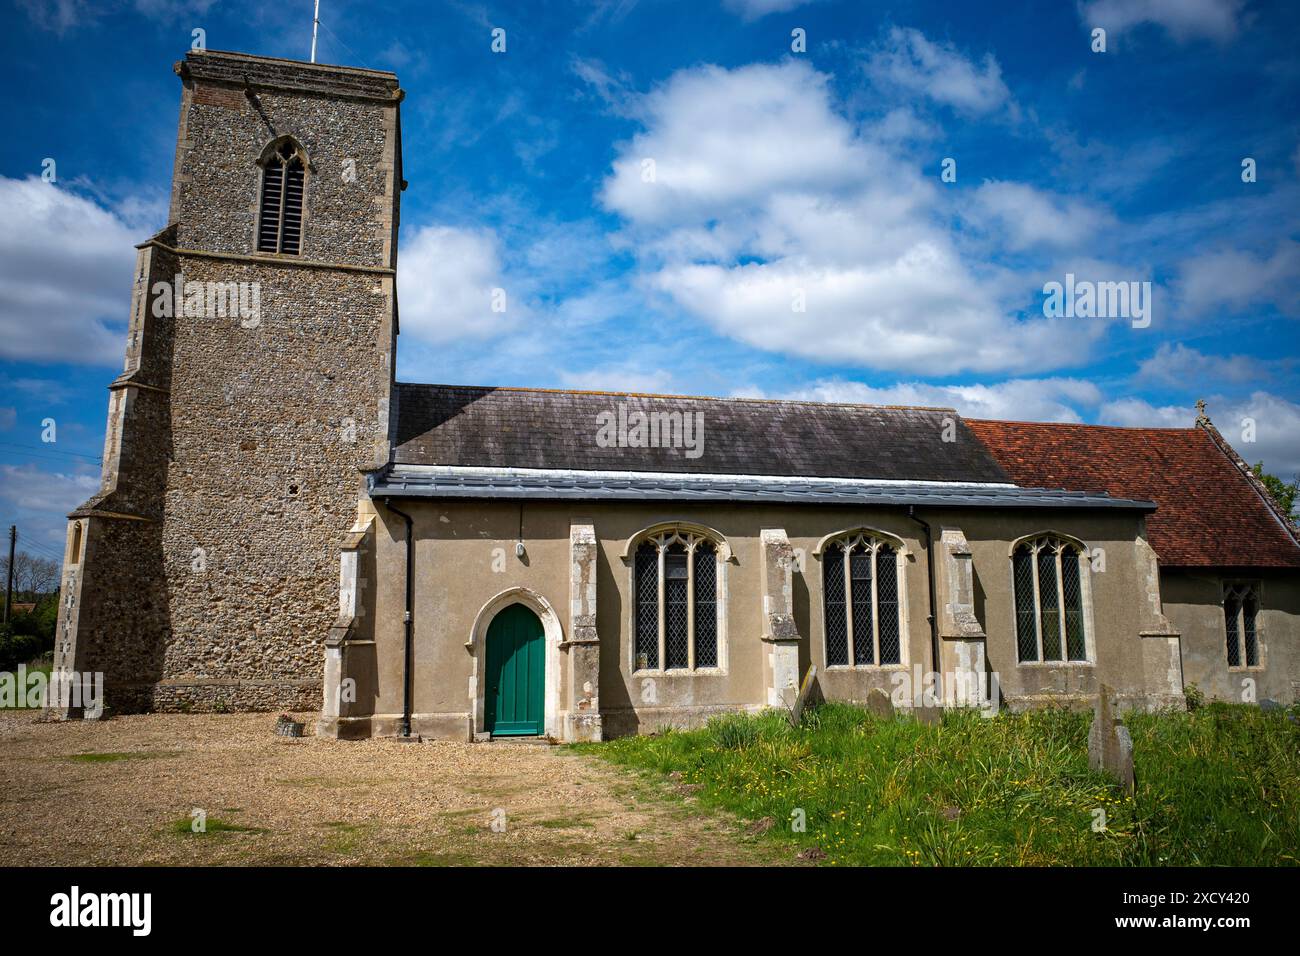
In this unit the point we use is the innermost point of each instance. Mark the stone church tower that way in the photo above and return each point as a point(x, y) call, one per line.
point(255, 393)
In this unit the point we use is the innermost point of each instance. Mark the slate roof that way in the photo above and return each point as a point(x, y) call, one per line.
point(415, 481)
point(1211, 514)
point(545, 429)
point(462, 441)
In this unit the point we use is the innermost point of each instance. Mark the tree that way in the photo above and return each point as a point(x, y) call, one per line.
point(33, 576)
point(1284, 494)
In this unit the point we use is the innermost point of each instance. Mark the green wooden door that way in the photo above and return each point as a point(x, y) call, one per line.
point(515, 670)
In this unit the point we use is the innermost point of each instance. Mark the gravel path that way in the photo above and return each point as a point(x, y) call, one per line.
point(122, 792)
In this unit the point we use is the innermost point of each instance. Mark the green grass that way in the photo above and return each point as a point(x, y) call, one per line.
point(565, 823)
point(185, 827)
point(114, 756)
point(1217, 786)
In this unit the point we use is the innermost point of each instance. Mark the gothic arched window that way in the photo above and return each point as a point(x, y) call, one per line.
point(1240, 606)
point(279, 221)
point(860, 586)
point(1047, 575)
point(675, 580)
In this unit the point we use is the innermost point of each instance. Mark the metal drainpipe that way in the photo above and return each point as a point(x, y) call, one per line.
point(410, 623)
point(929, 565)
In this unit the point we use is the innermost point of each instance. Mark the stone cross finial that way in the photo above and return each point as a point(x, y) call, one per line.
point(1201, 417)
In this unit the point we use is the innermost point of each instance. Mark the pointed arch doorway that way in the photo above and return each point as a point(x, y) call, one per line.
point(515, 672)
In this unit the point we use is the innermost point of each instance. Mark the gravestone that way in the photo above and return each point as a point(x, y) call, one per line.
point(928, 716)
point(1110, 748)
point(805, 691)
point(879, 704)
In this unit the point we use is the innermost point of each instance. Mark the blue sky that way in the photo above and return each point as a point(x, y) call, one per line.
point(778, 176)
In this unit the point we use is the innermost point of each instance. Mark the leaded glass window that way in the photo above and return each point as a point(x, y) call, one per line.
point(677, 607)
point(837, 618)
point(706, 605)
point(891, 639)
point(647, 607)
point(1047, 580)
point(1240, 608)
point(860, 590)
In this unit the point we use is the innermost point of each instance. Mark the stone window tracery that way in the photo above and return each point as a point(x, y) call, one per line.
point(863, 616)
point(677, 602)
point(1050, 622)
point(1240, 609)
point(280, 211)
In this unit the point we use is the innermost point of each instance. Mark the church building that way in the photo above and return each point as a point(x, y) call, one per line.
point(282, 525)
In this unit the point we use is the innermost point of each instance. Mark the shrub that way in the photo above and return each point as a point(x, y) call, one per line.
point(733, 731)
point(17, 648)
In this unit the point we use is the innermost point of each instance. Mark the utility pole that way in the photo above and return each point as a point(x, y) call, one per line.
point(9, 586)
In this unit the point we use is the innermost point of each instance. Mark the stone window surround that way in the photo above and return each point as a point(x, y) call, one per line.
point(848, 537)
point(1261, 656)
point(689, 534)
point(76, 542)
point(268, 153)
point(1085, 599)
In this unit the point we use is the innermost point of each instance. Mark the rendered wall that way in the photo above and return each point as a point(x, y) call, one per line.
point(465, 555)
point(1194, 602)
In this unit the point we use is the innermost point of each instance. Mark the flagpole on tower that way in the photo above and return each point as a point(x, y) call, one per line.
point(315, 22)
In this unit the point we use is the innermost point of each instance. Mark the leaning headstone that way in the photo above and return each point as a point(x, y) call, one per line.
point(879, 704)
point(805, 691)
point(928, 716)
point(1110, 747)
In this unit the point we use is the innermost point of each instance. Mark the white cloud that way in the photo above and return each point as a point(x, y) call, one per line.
point(1182, 19)
point(621, 378)
point(59, 15)
point(1028, 217)
point(750, 10)
point(62, 15)
point(720, 138)
point(1026, 399)
point(446, 283)
point(1178, 365)
point(613, 88)
point(65, 274)
point(170, 9)
point(736, 223)
point(921, 312)
point(1276, 423)
point(1235, 280)
point(909, 61)
point(43, 499)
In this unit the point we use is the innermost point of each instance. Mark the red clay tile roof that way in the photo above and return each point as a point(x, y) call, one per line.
point(1210, 514)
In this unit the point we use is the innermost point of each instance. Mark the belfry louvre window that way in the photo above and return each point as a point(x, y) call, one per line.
point(860, 587)
point(279, 223)
point(1240, 608)
point(1048, 586)
point(676, 586)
